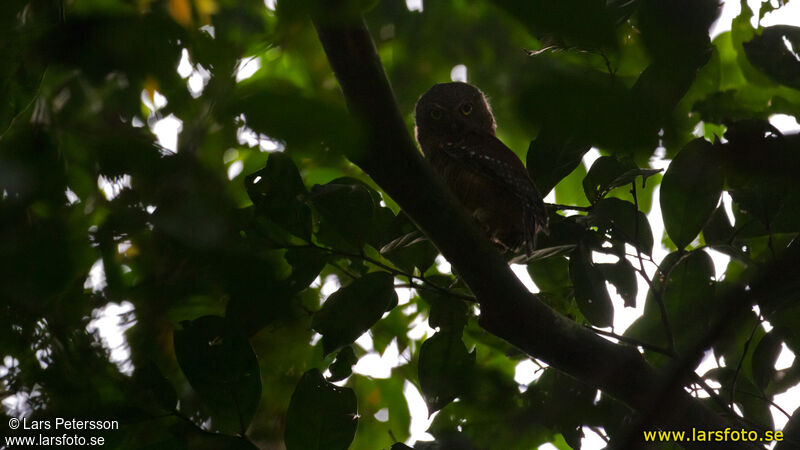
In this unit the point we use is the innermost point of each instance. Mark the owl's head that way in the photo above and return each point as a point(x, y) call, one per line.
point(447, 110)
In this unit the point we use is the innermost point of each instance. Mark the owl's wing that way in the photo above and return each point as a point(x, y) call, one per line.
point(488, 156)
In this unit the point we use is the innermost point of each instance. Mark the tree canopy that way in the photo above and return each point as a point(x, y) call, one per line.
point(294, 216)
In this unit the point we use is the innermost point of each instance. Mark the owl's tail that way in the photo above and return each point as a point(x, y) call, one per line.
point(534, 221)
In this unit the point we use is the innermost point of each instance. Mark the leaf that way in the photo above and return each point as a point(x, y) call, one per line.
point(400, 446)
point(718, 230)
point(624, 222)
point(754, 408)
point(344, 212)
point(551, 157)
point(608, 172)
point(307, 263)
point(623, 277)
point(690, 191)
point(544, 253)
point(775, 52)
point(353, 309)
point(321, 416)
point(342, 367)
point(764, 358)
point(382, 407)
point(688, 294)
point(221, 366)
point(447, 313)
point(444, 367)
point(278, 193)
point(410, 250)
point(590, 289)
point(550, 275)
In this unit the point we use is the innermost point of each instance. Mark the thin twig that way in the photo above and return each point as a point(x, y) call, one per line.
point(634, 342)
point(394, 271)
point(658, 298)
point(741, 360)
point(559, 206)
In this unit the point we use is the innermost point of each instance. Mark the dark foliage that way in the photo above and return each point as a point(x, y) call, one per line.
point(253, 254)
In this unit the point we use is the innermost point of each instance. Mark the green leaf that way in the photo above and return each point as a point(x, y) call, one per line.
point(221, 366)
point(342, 367)
point(764, 358)
point(775, 52)
point(278, 193)
point(624, 222)
point(590, 289)
point(444, 369)
point(379, 398)
point(718, 230)
point(746, 397)
point(307, 263)
point(551, 157)
point(344, 212)
point(321, 416)
point(690, 191)
point(410, 250)
point(544, 253)
point(608, 172)
point(447, 313)
point(353, 309)
point(686, 281)
point(550, 275)
point(395, 327)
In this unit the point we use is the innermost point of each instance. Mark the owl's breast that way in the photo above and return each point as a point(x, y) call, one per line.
point(474, 189)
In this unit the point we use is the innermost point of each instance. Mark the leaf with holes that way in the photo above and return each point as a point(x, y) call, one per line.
point(623, 222)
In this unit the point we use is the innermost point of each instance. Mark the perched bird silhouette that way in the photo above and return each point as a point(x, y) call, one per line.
point(455, 129)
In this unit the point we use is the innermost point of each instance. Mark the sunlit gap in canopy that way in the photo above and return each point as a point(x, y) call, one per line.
point(196, 76)
point(110, 323)
point(459, 73)
point(18, 403)
point(247, 67)
point(789, 14)
point(165, 129)
point(111, 320)
point(414, 5)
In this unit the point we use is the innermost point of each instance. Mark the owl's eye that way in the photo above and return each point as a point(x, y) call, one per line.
point(436, 114)
point(466, 109)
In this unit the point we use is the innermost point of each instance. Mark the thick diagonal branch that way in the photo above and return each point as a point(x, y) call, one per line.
point(508, 310)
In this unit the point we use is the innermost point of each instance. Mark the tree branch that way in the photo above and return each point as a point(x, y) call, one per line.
point(508, 310)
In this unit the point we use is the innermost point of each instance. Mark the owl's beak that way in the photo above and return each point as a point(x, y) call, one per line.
point(458, 124)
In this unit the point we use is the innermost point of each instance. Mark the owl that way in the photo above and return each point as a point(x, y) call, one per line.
point(455, 129)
